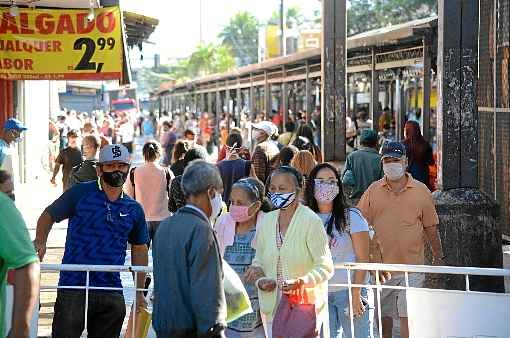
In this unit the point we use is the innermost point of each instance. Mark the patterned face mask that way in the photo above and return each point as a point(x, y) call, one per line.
point(281, 201)
point(326, 192)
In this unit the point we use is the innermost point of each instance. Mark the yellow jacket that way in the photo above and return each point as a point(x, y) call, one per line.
point(304, 254)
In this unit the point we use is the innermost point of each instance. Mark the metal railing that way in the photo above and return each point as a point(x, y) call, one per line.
point(406, 269)
point(376, 269)
point(135, 270)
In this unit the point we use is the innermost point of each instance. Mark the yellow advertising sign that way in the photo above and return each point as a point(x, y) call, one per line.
point(54, 44)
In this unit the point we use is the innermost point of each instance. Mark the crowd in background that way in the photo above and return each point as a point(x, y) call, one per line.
point(254, 197)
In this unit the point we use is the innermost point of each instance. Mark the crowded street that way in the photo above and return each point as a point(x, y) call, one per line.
point(270, 169)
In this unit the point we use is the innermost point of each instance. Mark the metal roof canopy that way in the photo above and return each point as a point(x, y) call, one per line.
point(383, 38)
point(138, 28)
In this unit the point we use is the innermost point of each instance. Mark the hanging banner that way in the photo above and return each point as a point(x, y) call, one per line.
point(55, 44)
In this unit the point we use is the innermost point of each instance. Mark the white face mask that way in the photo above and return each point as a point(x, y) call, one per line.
point(393, 171)
point(216, 206)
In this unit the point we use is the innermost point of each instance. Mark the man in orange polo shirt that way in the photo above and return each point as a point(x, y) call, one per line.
point(402, 212)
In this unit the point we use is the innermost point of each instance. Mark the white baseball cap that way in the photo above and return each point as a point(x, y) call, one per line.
point(114, 153)
point(268, 127)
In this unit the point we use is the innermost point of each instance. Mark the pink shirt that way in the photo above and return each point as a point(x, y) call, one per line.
point(151, 190)
point(226, 230)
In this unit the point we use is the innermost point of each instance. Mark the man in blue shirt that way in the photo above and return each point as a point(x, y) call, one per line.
point(102, 221)
point(10, 134)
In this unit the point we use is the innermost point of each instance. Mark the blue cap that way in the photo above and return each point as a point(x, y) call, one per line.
point(368, 135)
point(14, 124)
point(393, 149)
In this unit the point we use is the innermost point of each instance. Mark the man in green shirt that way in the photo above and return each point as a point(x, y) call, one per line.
point(362, 167)
point(18, 253)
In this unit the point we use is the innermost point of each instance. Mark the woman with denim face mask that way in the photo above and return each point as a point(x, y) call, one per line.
point(348, 234)
point(236, 232)
point(292, 253)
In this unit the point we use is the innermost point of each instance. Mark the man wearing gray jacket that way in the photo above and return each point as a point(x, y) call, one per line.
point(189, 300)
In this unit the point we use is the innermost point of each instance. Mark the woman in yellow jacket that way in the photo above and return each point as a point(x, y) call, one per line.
point(291, 251)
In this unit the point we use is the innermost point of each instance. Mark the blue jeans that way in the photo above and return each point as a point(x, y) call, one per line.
point(340, 323)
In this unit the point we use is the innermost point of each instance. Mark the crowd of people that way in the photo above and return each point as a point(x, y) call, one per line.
point(268, 206)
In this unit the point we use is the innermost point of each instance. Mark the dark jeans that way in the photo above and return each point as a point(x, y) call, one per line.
point(106, 312)
point(153, 226)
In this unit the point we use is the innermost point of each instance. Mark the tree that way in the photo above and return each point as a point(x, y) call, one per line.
point(365, 15)
point(241, 35)
point(293, 16)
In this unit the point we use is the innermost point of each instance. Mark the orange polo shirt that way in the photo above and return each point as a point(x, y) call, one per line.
point(399, 219)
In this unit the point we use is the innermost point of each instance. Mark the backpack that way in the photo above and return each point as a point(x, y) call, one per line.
point(132, 179)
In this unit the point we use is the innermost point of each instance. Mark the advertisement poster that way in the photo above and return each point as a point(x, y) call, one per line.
point(58, 44)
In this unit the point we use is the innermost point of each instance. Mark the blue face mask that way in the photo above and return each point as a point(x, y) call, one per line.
point(281, 200)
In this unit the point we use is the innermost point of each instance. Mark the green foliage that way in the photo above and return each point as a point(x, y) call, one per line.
point(294, 17)
point(241, 35)
point(149, 79)
point(365, 15)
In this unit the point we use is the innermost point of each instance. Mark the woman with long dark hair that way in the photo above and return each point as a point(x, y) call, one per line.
point(419, 153)
point(348, 233)
point(305, 141)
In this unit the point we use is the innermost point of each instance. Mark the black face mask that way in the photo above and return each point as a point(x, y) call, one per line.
point(115, 178)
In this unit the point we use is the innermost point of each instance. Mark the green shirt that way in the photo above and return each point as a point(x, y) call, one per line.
point(365, 168)
point(16, 249)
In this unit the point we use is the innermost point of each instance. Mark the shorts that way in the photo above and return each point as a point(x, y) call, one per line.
point(393, 301)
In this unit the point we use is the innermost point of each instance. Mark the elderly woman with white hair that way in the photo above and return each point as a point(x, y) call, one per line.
point(188, 289)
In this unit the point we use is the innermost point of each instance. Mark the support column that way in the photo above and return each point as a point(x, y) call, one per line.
point(469, 231)
point(252, 97)
point(219, 108)
point(427, 61)
point(374, 94)
point(399, 107)
point(285, 102)
point(308, 94)
point(267, 97)
point(227, 102)
point(333, 60)
point(210, 103)
point(239, 103)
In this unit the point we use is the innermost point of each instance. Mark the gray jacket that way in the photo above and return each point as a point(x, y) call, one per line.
point(188, 279)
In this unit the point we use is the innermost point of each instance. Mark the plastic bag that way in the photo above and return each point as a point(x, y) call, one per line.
point(238, 302)
point(143, 324)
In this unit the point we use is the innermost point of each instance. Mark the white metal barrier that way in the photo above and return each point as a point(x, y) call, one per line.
point(135, 270)
point(504, 299)
point(500, 329)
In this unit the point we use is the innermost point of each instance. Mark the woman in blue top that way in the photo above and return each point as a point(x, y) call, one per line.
point(236, 238)
point(348, 232)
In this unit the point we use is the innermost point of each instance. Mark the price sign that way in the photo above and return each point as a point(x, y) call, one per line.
point(53, 44)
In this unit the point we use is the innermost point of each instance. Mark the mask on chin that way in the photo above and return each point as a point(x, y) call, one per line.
point(394, 171)
point(216, 206)
point(115, 178)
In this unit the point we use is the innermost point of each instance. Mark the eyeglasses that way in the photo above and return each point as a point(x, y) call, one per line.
point(330, 181)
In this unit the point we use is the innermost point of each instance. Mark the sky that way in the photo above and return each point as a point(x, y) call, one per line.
point(178, 32)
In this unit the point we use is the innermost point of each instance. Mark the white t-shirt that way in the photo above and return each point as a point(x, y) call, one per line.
point(127, 132)
point(341, 243)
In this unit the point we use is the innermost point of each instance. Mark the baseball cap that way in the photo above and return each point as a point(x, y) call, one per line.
point(393, 149)
point(14, 124)
point(268, 127)
point(114, 153)
point(368, 135)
